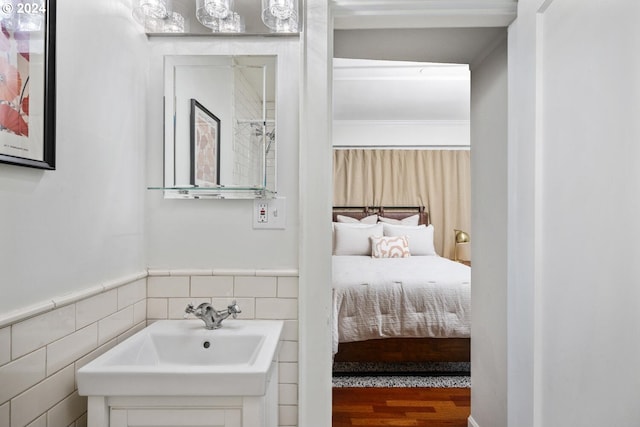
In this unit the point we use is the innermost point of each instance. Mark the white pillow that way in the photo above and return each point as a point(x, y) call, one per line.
point(420, 237)
point(371, 219)
point(413, 220)
point(390, 247)
point(353, 239)
point(356, 224)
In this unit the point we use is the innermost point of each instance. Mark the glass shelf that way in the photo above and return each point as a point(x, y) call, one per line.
point(222, 35)
point(221, 192)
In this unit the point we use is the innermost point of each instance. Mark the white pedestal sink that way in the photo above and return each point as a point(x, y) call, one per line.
point(179, 372)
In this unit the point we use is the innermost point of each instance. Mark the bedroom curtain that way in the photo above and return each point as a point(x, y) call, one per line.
point(440, 180)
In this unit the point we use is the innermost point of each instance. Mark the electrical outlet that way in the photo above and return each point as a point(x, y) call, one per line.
point(263, 214)
point(269, 213)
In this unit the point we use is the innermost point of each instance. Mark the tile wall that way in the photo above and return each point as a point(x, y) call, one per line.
point(247, 145)
point(39, 356)
point(247, 151)
point(41, 348)
point(271, 154)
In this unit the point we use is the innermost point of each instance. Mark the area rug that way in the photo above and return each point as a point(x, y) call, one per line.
point(440, 375)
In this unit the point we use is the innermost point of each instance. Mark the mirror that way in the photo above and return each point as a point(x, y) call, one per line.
point(219, 125)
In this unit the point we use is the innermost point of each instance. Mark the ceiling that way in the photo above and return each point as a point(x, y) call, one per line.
point(407, 74)
point(400, 91)
point(446, 45)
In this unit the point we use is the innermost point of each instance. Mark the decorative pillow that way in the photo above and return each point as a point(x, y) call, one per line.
point(420, 237)
point(353, 239)
point(390, 247)
point(371, 219)
point(410, 220)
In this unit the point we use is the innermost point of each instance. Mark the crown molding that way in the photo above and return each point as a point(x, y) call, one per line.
point(378, 14)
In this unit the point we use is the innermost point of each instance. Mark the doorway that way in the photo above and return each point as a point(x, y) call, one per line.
point(477, 46)
point(315, 161)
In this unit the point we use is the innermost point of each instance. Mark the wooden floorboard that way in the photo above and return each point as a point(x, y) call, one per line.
point(433, 407)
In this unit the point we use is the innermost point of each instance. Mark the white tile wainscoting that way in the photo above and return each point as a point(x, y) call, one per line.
point(42, 347)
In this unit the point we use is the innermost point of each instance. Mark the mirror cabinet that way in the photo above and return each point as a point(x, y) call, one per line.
point(220, 138)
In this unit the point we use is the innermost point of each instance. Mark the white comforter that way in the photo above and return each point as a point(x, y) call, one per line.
point(419, 296)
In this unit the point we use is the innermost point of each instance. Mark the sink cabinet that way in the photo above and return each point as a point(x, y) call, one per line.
point(191, 411)
point(149, 417)
point(177, 373)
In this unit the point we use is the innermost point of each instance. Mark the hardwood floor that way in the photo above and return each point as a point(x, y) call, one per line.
point(433, 407)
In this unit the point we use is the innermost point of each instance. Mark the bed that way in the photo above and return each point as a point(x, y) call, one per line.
point(396, 309)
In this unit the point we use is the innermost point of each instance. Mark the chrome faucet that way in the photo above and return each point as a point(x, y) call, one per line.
point(211, 317)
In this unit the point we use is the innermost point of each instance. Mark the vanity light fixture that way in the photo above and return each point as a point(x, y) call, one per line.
point(158, 16)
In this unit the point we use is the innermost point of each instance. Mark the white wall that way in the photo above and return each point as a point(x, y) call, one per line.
point(590, 104)
point(522, 335)
point(573, 292)
point(489, 241)
point(208, 234)
point(82, 223)
point(366, 133)
point(315, 216)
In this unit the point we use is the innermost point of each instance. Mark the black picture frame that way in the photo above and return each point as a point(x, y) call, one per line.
point(205, 146)
point(39, 149)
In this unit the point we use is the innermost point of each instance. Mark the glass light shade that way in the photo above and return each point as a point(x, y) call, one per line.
point(280, 15)
point(233, 23)
point(286, 25)
point(207, 20)
point(218, 8)
point(174, 23)
point(281, 9)
point(153, 8)
point(204, 18)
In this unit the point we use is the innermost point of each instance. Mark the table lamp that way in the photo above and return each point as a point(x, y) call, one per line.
point(460, 237)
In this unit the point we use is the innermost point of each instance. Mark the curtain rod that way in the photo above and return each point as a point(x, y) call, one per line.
point(403, 147)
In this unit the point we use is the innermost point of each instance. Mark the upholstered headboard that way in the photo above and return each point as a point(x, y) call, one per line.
point(392, 212)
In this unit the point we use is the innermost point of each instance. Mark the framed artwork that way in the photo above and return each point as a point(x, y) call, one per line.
point(205, 146)
point(27, 83)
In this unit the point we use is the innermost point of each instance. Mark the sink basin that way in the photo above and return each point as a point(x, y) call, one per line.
point(182, 358)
